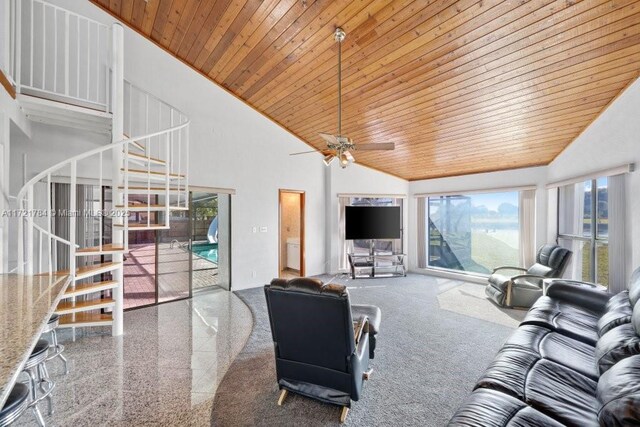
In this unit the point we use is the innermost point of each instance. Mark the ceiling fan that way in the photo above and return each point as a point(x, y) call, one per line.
point(340, 146)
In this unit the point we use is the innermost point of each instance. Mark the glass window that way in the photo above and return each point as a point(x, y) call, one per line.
point(476, 232)
point(583, 228)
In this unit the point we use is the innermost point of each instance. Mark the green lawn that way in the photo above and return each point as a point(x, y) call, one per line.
point(602, 269)
point(491, 252)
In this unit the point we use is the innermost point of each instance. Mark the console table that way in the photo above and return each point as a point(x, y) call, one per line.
point(382, 264)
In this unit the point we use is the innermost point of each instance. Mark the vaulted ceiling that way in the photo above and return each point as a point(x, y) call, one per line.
point(460, 86)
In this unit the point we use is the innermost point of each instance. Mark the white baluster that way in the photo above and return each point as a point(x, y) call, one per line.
point(186, 170)
point(29, 251)
point(66, 54)
point(55, 50)
point(31, 38)
point(73, 205)
point(117, 97)
point(49, 219)
point(100, 204)
point(18, 45)
point(44, 44)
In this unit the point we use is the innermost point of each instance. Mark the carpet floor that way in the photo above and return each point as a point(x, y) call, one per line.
point(427, 360)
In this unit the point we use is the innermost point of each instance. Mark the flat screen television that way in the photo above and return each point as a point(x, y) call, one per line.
point(372, 222)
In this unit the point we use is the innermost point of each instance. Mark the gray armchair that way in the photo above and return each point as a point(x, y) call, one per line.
point(522, 290)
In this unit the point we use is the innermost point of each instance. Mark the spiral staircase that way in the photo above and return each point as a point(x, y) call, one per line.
point(67, 70)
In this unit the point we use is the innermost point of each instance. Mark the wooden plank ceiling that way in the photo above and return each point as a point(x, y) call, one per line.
point(460, 86)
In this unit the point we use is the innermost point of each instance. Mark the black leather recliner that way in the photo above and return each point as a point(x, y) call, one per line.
point(525, 288)
point(322, 343)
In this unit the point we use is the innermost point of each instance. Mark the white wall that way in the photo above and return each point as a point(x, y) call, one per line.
point(483, 181)
point(357, 180)
point(612, 140)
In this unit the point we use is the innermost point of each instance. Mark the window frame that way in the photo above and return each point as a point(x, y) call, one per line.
point(593, 239)
point(427, 211)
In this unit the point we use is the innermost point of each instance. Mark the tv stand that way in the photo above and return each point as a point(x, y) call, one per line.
point(377, 264)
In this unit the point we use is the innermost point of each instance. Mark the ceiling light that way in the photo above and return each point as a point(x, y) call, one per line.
point(344, 161)
point(328, 159)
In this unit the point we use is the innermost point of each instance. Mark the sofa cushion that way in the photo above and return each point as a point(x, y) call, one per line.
point(540, 270)
point(489, 408)
point(619, 394)
point(614, 316)
point(621, 299)
point(556, 347)
point(564, 318)
point(508, 372)
point(634, 287)
point(617, 344)
point(563, 394)
point(558, 391)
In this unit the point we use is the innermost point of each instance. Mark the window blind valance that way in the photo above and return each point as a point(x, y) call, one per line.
point(479, 191)
point(630, 167)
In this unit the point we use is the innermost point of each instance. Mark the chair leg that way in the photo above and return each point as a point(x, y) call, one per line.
point(343, 414)
point(33, 382)
point(46, 385)
point(38, 415)
point(283, 395)
point(54, 338)
point(509, 293)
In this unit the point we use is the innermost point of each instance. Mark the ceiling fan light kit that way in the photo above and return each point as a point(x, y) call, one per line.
point(340, 146)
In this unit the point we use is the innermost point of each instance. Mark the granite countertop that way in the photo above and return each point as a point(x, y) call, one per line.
point(26, 303)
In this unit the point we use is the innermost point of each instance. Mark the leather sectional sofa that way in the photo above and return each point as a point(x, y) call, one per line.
point(573, 361)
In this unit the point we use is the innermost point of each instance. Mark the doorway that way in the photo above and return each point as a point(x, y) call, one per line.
point(192, 255)
point(291, 251)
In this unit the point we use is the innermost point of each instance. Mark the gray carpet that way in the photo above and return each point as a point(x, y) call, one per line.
point(427, 361)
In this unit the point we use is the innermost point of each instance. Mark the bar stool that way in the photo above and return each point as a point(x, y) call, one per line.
point(36, 369)
point(16, 404)
point(57, 349)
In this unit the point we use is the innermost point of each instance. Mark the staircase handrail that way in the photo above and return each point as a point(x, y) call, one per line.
point(43, 174)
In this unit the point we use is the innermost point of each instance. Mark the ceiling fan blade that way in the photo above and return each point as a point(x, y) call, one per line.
point(304, 152)
point(330, 139)
point(376, 146)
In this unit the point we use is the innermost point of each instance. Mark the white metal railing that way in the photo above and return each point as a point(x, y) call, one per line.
point(8, 38)
point(59, 53)
point(94, 160)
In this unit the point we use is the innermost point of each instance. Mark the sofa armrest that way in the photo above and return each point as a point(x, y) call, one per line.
point(578, 283)
point(528, 276)
point(359, 327)
point(506, 267)
point(590, 298)
point(359, 364)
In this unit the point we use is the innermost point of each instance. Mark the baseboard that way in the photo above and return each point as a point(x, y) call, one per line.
point(467, 277)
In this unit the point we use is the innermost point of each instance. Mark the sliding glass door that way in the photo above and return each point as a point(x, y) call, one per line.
point(192, 255)
point(210, 237)
point(174, 258)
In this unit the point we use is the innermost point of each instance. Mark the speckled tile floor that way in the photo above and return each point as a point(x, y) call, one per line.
point(164, 370)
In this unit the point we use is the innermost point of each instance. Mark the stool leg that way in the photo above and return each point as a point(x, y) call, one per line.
point(45, 379)
point(34, 396)
point(54, 338)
